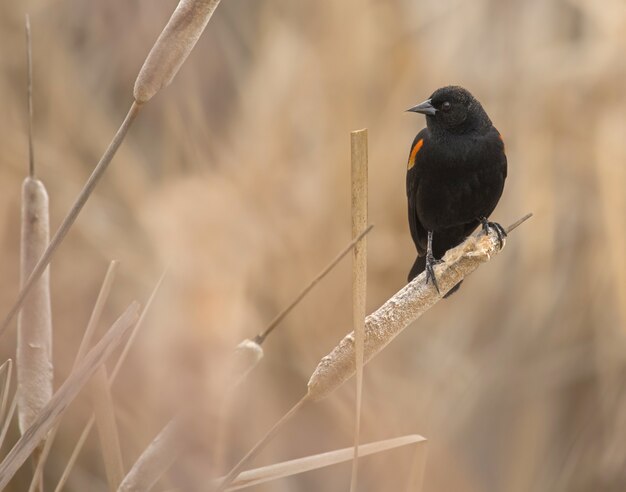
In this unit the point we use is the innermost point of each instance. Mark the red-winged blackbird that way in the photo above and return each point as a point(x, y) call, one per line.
point(455, 176)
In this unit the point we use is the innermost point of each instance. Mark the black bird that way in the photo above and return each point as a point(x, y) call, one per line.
point(455, 176)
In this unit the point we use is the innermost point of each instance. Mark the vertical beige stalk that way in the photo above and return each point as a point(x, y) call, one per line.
point(173, 46)
point(358, 142)
point(34, 332)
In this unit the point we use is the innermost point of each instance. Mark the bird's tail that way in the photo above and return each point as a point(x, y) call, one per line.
point(419, 266)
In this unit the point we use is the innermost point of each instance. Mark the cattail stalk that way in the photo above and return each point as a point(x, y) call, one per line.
point(173, 46)
point(34, 325)
point(358, 143)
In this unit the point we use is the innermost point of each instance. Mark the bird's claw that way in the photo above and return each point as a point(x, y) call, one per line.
point(430, 271)
point(500, 232)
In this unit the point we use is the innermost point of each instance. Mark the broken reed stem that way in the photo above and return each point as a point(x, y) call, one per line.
point(358, 144)
point(66, 394)
point(383, 325)
point(227, 480)
point(69, 219)
point(156, 459)
point(173, 46)
point(402, 309)
point(260, 338)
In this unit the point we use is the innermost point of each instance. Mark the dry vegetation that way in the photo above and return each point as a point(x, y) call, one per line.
point(236, 178)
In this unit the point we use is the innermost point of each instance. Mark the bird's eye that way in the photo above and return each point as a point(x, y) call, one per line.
point(446, 106)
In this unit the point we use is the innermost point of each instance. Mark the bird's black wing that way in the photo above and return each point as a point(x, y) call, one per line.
point(418, 233)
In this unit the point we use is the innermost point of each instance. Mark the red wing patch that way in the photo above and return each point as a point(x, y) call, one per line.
point(416, 148)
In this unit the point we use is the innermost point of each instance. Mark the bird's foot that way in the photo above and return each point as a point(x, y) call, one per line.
point(500, 232)
point(430, 271)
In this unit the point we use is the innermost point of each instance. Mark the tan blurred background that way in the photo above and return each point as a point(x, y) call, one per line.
point(237, 177)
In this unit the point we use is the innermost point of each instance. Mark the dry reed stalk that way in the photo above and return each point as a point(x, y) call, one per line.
point(260, 338)
point(85, 342)
point(173, 46)
point(120, 361)
point(66, 394)
point(104, 410)
point(156, 459)
point(249, 352)
point(402, 309)
point(383, 325)
point(358, 144)
point(289, 468)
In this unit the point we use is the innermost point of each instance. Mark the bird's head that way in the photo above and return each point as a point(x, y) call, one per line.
point(454, 109)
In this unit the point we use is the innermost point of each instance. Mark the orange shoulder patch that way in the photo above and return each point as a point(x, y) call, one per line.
point(416, 148)
point(501, 140)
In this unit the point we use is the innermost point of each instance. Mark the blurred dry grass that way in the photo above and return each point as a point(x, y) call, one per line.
point(237, 176)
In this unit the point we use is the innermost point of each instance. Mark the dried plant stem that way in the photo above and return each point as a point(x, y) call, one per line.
point(7, 421)
point(71, 216)
point(276, 471)
point(111, 379)
point(94, 319)
point(382, 326)
point(29, 90)
point(96, 312)
point(156, 459)
point(358, 143)
point(66, 394)
point(260, 338)
point(227, 480)
point(104, 410)
point(173, 46)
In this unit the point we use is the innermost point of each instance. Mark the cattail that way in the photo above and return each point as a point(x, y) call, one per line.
point(34, 338)
point(408, 304)
point(245, 358)
point(173, 46)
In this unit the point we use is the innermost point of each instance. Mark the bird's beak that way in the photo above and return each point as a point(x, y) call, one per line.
point(425, 108)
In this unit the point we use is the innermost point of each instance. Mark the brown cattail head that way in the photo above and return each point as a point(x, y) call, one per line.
point(34, 336)
point(408, 304)
point(173, 46)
